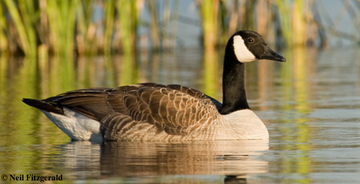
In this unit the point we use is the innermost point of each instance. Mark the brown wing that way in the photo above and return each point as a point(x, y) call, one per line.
point(175, 109)
point(89, 102)
point(94, 102)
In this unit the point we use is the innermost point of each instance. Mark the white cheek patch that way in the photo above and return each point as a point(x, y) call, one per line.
point(242, 53)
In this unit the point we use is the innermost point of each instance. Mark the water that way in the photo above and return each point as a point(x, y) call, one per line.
point(310, 104)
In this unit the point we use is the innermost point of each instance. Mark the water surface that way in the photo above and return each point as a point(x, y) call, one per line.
point(310, 104)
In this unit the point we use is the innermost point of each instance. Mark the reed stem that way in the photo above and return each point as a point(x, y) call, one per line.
point(20, 27)
point(154, 25)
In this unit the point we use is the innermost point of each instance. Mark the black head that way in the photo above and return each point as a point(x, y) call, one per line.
point(249, 45)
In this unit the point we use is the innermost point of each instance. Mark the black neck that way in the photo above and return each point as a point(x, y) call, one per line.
point(234, 96)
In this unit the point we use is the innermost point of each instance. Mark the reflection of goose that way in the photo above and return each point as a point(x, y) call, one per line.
point(187, 162)
point(159, 112)
point(192, 158)
point(195, 158)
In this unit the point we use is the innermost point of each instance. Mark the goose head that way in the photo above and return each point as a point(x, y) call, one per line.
point(249, 46)
point(242, 47)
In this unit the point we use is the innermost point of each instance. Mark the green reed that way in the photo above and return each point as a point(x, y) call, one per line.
point(23, 27)
point(128, 16)
point(3, 40)
point(284, 13)
point(62, 24)
point(109, 24)
point(209, 15)
point(84, 37)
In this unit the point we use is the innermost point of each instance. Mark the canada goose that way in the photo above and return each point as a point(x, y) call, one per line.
point(155, 112)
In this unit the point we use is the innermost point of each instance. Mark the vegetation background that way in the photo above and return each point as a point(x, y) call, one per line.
point(93, 27)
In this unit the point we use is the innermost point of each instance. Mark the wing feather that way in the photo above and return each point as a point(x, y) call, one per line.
point(155, 108)
point(170, 108)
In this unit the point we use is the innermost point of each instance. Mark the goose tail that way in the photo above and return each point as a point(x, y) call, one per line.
point(44, 105)
point(75, 125)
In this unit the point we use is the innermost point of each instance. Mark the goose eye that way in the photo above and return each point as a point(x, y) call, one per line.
point(250, 39)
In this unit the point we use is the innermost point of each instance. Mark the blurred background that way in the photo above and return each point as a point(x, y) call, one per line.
point(103, 27)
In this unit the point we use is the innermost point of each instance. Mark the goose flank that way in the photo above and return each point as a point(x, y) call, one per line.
point(156, 112)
